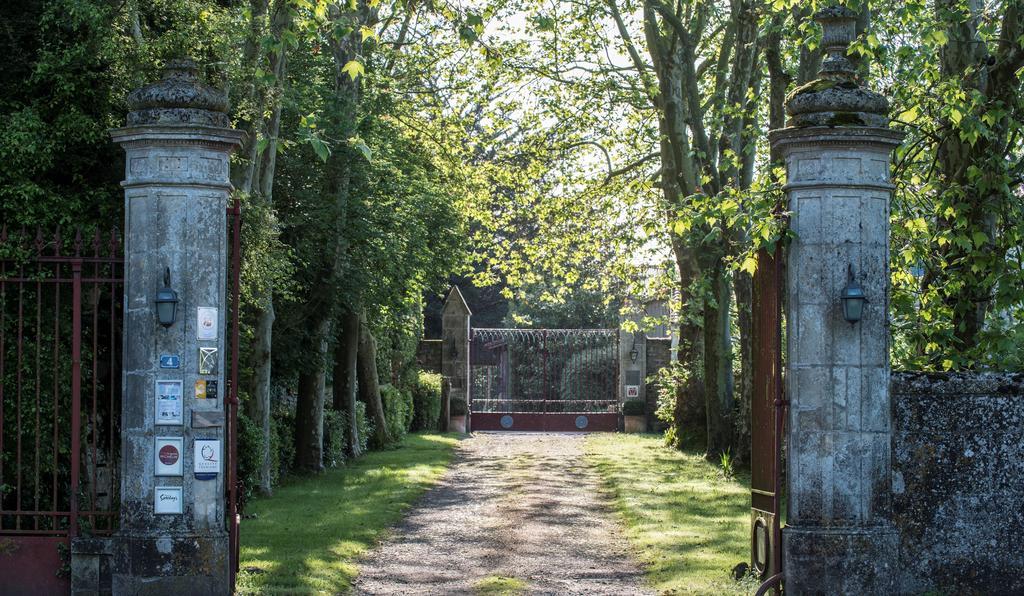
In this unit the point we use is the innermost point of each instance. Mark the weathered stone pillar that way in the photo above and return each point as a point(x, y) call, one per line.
point(633, 361)
point(839, 538)
point(455, 353)
point(178, 141)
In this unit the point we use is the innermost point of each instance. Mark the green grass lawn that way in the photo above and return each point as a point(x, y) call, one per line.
point(308, 536)
point(688, 523)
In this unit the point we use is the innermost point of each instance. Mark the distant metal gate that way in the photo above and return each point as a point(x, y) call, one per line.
point(60, 400)
point(544, 379)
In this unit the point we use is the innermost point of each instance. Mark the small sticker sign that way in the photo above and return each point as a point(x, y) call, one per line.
point(206, 323)
point(168, 402)
point(211, 389)
point(168, 456)
point(170, 361)
point(167, 500)
point(207, 361)
point(206, 459)
point(632, 391)
point(201, 389)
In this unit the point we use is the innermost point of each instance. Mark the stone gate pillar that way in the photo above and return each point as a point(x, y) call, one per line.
point(633, 361)
point(454, 353)
point(172, 537)
point(838, 538)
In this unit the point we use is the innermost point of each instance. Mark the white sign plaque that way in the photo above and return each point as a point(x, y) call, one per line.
point(168, 456)
point(206, 459)
point(632, 390)
point(168, 402)
point(167, 500)
point(206, 323)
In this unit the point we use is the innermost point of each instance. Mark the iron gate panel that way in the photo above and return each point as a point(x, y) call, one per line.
point(767, 407)
point(544, 379)
point(61, 308)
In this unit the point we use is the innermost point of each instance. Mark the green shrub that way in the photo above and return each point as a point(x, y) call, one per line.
point(364, 426)
point(459, 407)
point(426, 401)
point(282, 444)
point(633, 407)
point(334, 438)
point(397, 410)
point(250, 454)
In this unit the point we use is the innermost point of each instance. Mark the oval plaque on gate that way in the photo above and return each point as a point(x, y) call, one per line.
point(506, 421)
point(581, 422)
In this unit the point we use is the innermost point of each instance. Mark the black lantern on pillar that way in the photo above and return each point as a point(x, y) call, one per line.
point(166, 301)
point(853, 298)
point(633, 352)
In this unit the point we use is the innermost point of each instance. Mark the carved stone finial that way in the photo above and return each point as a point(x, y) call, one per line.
point(835, 98)
point(178, 99)
point(838, 28)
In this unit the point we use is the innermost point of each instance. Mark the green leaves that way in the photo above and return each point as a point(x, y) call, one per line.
point(360, 146)
point(353, 68)
point(320, 147)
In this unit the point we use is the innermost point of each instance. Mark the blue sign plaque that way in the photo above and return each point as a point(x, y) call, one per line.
point(170, 361)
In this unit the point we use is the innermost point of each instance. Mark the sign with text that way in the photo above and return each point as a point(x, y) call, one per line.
point(168, 402)
point(168, 456)
point(632, 391)
point(167, 500)
point(206, 459)
point(170, 361)
point(206, 323)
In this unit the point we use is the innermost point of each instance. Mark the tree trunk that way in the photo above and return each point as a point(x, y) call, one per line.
point(973, 201)
point(264, 332)
point(346, 354)
point(260, 403)
point(689, 407)
point(369, 383)
point(717, 363)
point(744, 393)
point(810, 59)
point(244, 178)
point(309, 407)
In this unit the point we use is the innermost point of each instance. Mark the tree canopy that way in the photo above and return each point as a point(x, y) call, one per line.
point(570, 155)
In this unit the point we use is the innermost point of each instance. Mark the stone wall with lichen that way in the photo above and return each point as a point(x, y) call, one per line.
point(958, 482)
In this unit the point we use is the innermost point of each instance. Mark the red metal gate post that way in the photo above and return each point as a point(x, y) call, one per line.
point(766, 410)
point(235, 212)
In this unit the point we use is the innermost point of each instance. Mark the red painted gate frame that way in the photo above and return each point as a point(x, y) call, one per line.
point(31, 558)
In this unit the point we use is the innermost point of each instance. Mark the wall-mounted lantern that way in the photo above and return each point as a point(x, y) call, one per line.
point(634, 353)
point(853, 298)
point(166, 301)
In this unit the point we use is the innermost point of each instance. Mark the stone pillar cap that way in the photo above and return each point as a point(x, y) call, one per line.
point(835, 98)
point(178, 99)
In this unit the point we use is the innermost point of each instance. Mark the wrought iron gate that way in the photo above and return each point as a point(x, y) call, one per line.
point(61, 313)
point(544, 379)
point(61, 310)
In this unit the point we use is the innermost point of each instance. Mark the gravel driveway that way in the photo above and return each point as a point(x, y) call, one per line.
point(516, 505)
